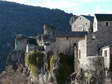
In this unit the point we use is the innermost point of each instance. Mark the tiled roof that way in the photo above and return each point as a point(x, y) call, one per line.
point(106, 44)
point(104, 17)
point(20, 37)
point(72, 19)
point(71, 34)
point(89, 17)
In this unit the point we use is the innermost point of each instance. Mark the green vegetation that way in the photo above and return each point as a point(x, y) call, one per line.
point(34, 70)
point(53, 61)
point(34, 60)
point(65, 69)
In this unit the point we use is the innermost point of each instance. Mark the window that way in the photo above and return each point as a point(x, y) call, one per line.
point(80, 18)
point(107, 24)
point(105, 53)
point(67, 38)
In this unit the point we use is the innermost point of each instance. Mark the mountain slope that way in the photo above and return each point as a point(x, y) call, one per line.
point(17, 18)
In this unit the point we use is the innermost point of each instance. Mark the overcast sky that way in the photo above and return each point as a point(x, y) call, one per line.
point(73, 6)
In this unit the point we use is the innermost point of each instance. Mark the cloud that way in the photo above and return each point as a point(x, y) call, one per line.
point(97, 1)
point(88, 1)
point(72, 6)
point(48, 3)
point(66, 5)
point(60, 4)
point(18, 1)
point(99, 9)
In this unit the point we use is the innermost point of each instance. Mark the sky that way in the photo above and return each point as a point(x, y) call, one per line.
point(78, 7)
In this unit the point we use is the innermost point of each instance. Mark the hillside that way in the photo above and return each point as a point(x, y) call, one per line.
point(28, 20)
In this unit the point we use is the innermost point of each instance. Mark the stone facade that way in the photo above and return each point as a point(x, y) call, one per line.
point(82, 23)
point(96, 39)
point(102, 36)
point(99, 25)
point(65, 44)
point(93, 43)
point(20, 43)
point(48, 30)
point(107, 54)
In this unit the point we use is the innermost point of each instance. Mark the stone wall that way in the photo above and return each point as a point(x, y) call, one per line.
point(20, 44)
point(66, 44)
point(93, 63)
point(97, 39)
point(82, 49)
point(106, 57)
point(81, 24)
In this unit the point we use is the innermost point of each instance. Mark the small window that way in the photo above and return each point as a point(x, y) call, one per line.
point(80, 18)
point(66, 38)
point(107, 24)
point(105, 53)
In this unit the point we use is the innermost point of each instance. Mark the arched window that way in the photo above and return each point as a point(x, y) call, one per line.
point(107, 24)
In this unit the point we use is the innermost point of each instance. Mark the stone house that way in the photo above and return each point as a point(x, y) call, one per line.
point(20, 42)
point(82, 23)
point(49, 30)
point(47, 39)
point(92, 44)
point(31, 44)
point(40, 42)
point(25, 44)
point(65, 41)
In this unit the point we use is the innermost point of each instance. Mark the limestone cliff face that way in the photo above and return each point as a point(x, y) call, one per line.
point(36, 67)
point(16, 57)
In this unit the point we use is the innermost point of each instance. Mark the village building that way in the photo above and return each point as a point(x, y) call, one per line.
point(86, 38)
point(25, 44)
point(82, 23)
point(20, 42)
point(89, 40)
point(107, 54)
point(93, 45)
point(65, 41)
point(31, 44)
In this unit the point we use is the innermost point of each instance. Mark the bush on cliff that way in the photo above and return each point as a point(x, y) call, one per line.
point(34, 60)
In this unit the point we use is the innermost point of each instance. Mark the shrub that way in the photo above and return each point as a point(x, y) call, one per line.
point(65, 69)
point(34, 60)
point(34, 70)
point(53, 61)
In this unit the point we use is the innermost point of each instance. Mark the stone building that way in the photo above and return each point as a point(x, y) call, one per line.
point(102, 32)
point(25, 44)
point(48, 29)
point(107, 54)
point(31, 44)
point(82, 23)
point(65, 41)
point(94, 42)
point(20, 42)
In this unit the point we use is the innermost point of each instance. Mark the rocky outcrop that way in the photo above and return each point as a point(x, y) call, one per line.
point(37, 69)
point(16, 58)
